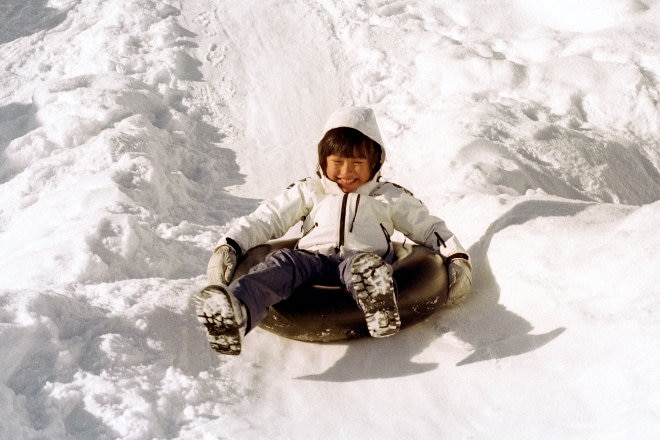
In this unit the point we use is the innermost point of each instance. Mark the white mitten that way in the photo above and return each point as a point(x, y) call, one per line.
point(460, 280)
point(221, 265)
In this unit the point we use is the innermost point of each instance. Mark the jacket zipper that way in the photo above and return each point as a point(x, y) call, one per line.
point(342, 221)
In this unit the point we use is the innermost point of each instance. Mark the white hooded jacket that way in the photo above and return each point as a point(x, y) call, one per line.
point(338, 223)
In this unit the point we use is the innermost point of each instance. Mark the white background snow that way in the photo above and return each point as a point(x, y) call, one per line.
point(132, 132)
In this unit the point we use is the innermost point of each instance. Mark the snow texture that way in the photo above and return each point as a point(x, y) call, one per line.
point(133, 132)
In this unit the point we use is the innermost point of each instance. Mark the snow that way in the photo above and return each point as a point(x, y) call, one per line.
point(132, 133)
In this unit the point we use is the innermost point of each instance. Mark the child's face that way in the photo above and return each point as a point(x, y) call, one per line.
point(348, 172)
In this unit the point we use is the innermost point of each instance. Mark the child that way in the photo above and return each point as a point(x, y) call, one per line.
point(348, 216)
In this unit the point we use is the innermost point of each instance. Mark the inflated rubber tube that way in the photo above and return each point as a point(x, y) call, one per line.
point(324, 313)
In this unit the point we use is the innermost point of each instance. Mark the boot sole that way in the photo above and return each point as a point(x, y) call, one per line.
point(216, 310)
point(376, 296)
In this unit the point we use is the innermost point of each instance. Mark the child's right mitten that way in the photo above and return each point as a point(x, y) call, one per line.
point(221, 265)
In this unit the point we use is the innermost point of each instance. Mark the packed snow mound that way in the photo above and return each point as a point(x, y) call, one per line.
point(139, 171)
point(564, 162)
point(133, 133)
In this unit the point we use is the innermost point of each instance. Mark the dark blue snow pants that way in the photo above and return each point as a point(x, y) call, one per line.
point(281, 273)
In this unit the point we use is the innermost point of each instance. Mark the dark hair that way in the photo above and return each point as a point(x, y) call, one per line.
point(349, 142)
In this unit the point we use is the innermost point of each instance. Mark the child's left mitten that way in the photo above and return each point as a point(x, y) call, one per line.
point(459, 271)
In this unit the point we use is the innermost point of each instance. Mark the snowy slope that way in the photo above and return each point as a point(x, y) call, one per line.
point(133, 132)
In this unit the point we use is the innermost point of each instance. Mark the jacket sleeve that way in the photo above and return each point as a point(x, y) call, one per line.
point(412, 218)
point(272, 219)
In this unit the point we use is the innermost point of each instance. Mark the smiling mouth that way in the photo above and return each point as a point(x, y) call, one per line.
point(344, 183)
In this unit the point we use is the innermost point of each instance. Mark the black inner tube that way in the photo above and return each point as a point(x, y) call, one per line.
point(327, 313)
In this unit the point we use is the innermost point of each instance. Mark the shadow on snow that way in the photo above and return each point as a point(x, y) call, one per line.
point(482, 322)
point(20, 18)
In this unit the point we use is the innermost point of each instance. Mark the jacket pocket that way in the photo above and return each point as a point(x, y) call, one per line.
point(305, 233)
point(357, 204)
point(388, 239)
